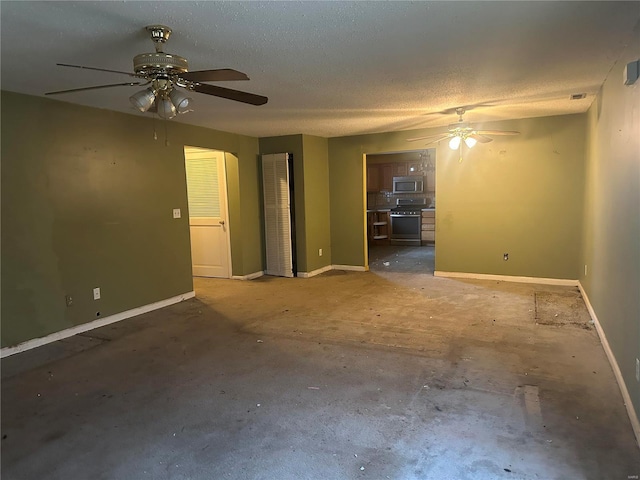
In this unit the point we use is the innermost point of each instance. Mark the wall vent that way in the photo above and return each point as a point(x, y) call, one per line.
point(578, 96)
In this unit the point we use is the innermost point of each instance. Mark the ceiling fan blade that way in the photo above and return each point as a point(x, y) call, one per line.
point(481, 138)
point(436, 139)
point(439, 139)
point(230, 94)
point(96, 87)
point(443, 135)
point(497, 132)
point(219, 75)
point(98, 69)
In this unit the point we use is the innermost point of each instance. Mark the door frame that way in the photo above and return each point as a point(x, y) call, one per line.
point(364, 194)
point(222, 185)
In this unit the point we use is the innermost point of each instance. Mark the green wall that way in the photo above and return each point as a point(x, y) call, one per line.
point(316, 202)
point(611, 237)
point(292, 144)
point(87, 197)
point(520, 195)
point(311, 183)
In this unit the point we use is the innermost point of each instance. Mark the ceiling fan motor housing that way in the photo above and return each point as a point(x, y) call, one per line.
point(159, 63)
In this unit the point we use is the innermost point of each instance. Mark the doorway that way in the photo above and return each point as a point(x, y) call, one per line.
point(401, 221)
point(208, 212)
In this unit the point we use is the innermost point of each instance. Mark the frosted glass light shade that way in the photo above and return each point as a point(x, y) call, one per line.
point(143, 99)
point(180, 101)
point(470, 142)
point(454, 143)
point(166, 109)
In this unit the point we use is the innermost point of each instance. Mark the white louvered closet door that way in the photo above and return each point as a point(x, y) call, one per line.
point(275, 181)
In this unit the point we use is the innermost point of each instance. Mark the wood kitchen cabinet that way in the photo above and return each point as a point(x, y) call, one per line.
point(428, 227)
point(373, 178)
point(400, 169)
point(380, 175)
point(386, 175)
point(414, 169)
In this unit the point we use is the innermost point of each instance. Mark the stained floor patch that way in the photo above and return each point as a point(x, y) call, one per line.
point(561, 308)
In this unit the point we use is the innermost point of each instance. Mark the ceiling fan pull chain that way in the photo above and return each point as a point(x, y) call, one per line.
point(166, 135)
point(155, 133)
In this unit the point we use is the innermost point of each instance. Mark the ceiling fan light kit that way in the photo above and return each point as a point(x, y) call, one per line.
point(165, 74)
point(143, 99)
point(166, 109)
point(454, 143)
point(463, 132)
point(470, 142)
point(180, 100)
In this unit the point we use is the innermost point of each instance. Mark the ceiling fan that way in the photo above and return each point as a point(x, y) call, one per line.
point(463, 132)
point(165, 74)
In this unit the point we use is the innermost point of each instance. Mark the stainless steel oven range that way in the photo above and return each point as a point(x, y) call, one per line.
point(406, 219)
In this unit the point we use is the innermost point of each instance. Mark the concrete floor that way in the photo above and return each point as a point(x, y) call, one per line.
point(387, 374)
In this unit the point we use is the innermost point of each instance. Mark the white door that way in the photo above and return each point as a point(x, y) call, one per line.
point(207, 194)
point(277, 214)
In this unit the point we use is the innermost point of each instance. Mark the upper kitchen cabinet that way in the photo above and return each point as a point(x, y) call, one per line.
point(373, 178)
point(382, 167)
point(380, 175)
point(387, 174)
point(400, 169)
point(414, 169)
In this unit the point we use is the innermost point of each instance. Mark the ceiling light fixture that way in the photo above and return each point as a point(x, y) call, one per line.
point(425, 164)
point(459, 137)
point(169, 101)
point(166, 109)
point(144, 99)
point(470, 142)
point(180, 100)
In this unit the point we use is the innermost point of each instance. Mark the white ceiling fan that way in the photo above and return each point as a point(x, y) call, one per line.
point(463, 132)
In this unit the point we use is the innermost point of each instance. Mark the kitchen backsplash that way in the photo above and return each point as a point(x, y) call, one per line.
point(388, 199)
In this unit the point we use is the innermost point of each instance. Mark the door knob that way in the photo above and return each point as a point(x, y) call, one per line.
point(221, 222)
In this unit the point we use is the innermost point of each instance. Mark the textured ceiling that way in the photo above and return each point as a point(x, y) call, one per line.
point(331, 68)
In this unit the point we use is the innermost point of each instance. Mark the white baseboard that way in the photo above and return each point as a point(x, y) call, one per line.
point(635, 424)
point(85, 327)
point(251, 276)
point(352, 268)
point(508, 278)
point(313, 273)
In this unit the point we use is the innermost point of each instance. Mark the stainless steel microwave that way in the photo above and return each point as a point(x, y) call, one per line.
point(412, 184)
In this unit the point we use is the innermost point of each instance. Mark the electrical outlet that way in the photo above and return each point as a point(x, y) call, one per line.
point(69, 300)
point(319, 252)
point(637, 370)
point(505, 257)
point(96, 293)
point(177, 213)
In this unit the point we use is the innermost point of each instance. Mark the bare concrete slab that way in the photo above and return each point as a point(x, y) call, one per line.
point(347, 375)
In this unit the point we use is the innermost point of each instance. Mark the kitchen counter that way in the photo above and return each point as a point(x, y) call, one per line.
point(430, 209)
point(378, 209)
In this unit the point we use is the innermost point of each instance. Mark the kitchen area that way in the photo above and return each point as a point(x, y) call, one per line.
point(401, 194)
